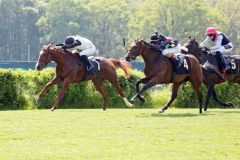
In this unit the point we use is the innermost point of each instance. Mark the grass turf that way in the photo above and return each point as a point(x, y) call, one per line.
point(120, 134)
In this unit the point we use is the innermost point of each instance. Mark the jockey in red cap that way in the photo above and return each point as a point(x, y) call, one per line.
point(222, 43)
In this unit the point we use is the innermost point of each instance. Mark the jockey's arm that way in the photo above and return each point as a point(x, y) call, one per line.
point(218, 43)
point(204, 43)
point(77, 43)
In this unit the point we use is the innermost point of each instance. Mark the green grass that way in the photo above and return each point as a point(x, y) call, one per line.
point(120, 134)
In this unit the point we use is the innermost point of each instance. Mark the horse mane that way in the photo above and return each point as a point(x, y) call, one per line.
point(57, 50)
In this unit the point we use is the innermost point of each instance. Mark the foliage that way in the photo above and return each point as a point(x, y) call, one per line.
point(227, 92)
point(19, 89)
point(26, 25)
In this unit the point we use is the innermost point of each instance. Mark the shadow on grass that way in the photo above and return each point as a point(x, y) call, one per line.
point(175, 115)
point(226, 111)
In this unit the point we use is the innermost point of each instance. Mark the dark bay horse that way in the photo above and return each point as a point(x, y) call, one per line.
point(212, 75)
point(158, 70)
point(69, 70)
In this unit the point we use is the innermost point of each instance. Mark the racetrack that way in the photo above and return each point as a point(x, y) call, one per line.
point(120, 134)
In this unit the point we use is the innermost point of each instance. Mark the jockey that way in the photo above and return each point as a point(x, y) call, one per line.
point(82, 46)
point(167, 46)
point(222, 45)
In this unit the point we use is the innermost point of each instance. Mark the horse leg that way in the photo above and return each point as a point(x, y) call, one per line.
point(54, 81)
point(149, 84)
point(60, 95)
point(175, 88)
point(209, 94)
point(100, 87)
point(196, 86)
point(215, 97)
point(138, 82)
point(119, 89)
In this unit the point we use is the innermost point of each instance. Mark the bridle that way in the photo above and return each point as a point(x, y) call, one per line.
point(140, 50)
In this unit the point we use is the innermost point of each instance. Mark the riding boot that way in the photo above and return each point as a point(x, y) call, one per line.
point(86, 60)
point(225, 66)
point(175, 62)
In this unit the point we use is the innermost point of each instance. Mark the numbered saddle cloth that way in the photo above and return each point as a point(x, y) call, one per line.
point(184, 64)
point(234, 65)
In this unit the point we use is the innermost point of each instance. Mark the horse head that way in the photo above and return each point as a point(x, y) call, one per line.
point(45, 56)
point(137, 48)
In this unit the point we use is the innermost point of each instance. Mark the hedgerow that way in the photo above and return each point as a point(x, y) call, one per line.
point(19, 89)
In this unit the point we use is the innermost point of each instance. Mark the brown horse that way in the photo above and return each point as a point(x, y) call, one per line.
point(159, 70)
point(212, 75)
point(70, 69)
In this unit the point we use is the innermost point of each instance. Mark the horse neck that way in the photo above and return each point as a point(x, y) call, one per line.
point(150, 56)
point(59, 58)
point(198, 53)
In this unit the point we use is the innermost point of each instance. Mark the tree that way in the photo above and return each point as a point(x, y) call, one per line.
point(109, 21)
point(231, 9)
point(62, 18)
point(177, 18)
point(17, 29)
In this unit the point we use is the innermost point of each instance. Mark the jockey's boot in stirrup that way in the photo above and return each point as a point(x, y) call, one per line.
point(89, 65)
point(175, 62)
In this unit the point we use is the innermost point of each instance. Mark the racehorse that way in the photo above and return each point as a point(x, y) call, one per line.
point(212, 75)
point(159, 70)
point(70, 69)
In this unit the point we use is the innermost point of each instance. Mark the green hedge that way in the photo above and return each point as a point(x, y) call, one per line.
point(227, 92)
point(19, 88)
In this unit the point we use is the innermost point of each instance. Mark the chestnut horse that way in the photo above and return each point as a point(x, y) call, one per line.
point(212, 75)
point(159, 70)
point(70, 69)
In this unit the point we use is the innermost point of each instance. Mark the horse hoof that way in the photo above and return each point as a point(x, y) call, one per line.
point(52, 109)
point(131, 106)
point(161, 111)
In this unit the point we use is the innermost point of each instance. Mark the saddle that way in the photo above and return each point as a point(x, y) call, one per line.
point(231, 62)
point(96, 66)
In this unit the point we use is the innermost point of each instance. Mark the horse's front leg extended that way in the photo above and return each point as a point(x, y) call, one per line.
point(54, 81)
point(60, 95)
point(149, 84)
point(143, 80)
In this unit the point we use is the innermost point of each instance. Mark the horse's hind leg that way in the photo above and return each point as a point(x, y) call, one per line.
point(175, 88)
point(209, 95)
point(115, 83)
point(113, 79)
point(215, 97)
point(100, 87)
point(196, 86)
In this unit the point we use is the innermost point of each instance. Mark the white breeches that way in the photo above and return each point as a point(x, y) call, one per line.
point(223, 50)
point(88, 52)
point(174, 50)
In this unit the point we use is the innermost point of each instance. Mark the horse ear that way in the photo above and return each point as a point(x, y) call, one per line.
point(189, 37)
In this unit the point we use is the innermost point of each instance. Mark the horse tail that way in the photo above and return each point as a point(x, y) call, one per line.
point(122, 64)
